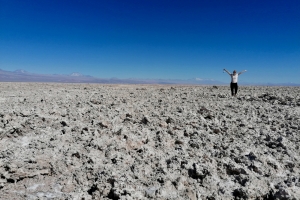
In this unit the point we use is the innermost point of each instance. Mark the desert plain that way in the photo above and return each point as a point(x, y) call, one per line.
point(93, 141)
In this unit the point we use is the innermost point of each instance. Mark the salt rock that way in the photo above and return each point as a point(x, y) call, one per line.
point(92, 141)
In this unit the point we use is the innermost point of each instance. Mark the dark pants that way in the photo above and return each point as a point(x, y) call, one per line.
point(234, 88)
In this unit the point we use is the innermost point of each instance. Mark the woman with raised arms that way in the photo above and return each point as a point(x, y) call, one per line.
point(234, 81)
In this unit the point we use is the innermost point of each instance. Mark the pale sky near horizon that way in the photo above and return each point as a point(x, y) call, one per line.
point(153, 38)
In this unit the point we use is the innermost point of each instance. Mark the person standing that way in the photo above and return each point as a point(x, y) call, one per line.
point(234, 81)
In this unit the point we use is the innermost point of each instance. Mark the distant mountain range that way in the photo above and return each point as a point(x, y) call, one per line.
point(24, 76)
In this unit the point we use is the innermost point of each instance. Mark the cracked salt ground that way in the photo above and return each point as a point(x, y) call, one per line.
point(90, 141)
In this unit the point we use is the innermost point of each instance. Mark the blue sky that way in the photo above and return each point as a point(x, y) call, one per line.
point(153, 38)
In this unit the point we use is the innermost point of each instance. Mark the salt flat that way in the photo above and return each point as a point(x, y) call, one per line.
point(91, 141)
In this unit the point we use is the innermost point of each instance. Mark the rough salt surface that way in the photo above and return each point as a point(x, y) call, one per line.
point(90, 141)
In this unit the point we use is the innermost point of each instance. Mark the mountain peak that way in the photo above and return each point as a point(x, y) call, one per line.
point(20, 71)
point(76, 74)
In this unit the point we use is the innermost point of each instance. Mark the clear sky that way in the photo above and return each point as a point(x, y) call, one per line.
point(168, 39)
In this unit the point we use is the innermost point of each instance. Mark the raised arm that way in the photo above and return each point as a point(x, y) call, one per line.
point(242, 72)
point(226, 71)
